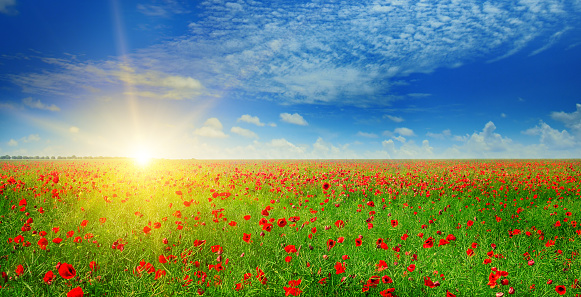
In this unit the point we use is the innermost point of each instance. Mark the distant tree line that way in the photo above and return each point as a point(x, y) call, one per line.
point(73, 157)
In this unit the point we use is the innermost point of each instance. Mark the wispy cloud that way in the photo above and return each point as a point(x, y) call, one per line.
point(294, 118)
point(164, 8)
point(394, 118)
point(343, 52)
point(72, 78)
point(367, 135)
point(6, 7)
point(243, 132)
point(39, 105)
point(403, 131)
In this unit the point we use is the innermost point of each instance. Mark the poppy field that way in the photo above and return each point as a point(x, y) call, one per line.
point(290, 228)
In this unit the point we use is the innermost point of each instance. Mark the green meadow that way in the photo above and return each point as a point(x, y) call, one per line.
point(290, 228)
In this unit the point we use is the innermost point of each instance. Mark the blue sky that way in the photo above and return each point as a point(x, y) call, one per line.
point(291, 79)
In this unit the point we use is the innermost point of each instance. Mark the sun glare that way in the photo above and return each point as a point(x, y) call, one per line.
point(142, 158)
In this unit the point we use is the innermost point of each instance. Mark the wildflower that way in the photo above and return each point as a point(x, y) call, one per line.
point(67, 271)
point(246, 237)
point(48, 277)
point(561, 290)
point(76, 292)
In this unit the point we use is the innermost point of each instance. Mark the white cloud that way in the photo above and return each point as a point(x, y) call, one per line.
point(570, 120)
point(488, 141)
point(552, 138)
point(12, 142)
point(6, 6)
point(408, 149)
point(394, 118)
point(294, 118)
point(39, 105)
point(243, 132)
point(445, 134)
point(367, 135)
point(74, 129)
point(250, 119)
point(347, 52)
point(212, 128)
point(403, 131)
point(165, 9)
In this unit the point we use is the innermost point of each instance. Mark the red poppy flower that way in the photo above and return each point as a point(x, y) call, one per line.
point(162, 259)
point(216, 249)
point(428, 282)
point(281, 222)
point(339, 268)
point(93, 265)
point(330, 244)
point(387, 292)
point(412, 267)
point(76, 292)
point(146, 230)
point(326, 186)
point(246, 237)
point(42, 243)
point(394, 223)
point(247, 217)
point(48, 277)
point(102, 220)
point(84, 223)
point(67, 271)
point(290, 249)
point(381, 266)
point(448, 294)
point(358, 242)
point(159, 274)
point(428, 243)
point(19, 270)
point(288, 259)
point(405, 236)
point(340, 224)
point(443, 242)
point(561, 290)
point(386, 279)
point(470, 252)
point(451, 237)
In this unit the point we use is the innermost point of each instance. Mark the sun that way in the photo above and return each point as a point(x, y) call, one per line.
point(142, 158)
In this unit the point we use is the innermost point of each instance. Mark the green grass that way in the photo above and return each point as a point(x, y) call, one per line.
point(128, 198)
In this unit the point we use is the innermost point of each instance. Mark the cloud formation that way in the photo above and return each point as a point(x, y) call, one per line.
point(253, 120)
point(243, 132)
point(39, 105)
point(349, 52)
point(212, 128)
point(6, 7)
point(294, 118)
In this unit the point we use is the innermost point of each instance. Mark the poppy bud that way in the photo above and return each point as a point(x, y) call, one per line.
point(310, 247)
point(511, 290)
